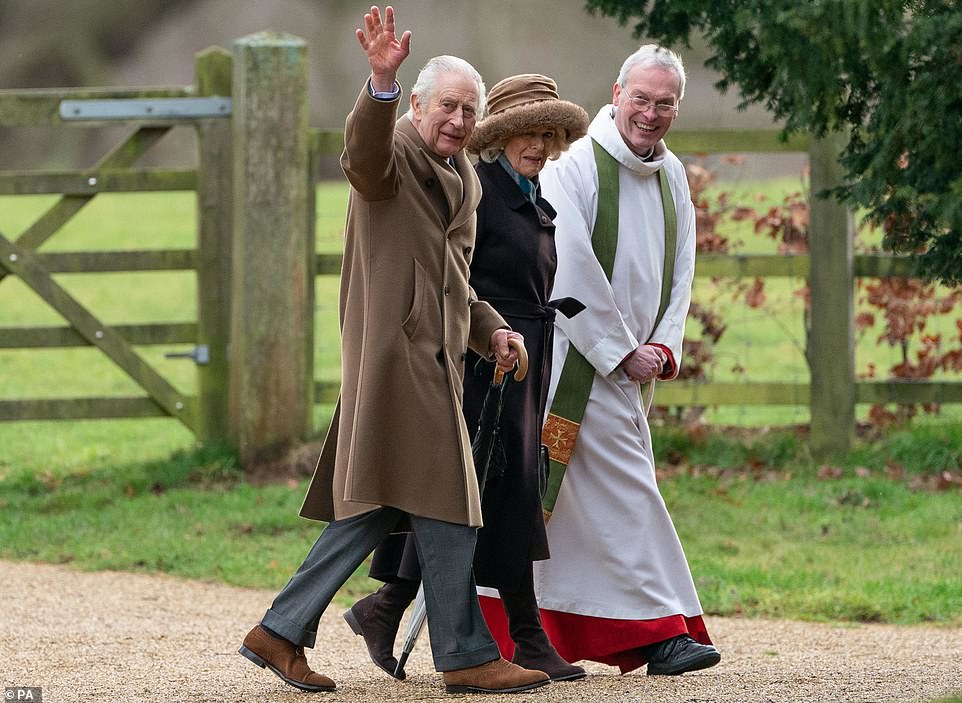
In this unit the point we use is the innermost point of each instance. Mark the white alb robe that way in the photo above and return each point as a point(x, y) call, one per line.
point(614, 550)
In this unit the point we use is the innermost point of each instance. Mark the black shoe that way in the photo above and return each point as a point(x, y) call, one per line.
point(377, 618)
point(678, 655)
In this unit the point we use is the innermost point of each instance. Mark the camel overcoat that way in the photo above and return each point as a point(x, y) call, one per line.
point(407, 316)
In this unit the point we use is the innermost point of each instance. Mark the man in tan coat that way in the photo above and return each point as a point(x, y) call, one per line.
point(398, 452)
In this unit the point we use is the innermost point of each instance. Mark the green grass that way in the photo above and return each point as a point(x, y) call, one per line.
point(847, 549)
point(863, 537)
point(190, 515)
point(764, 534)
point(867, 536)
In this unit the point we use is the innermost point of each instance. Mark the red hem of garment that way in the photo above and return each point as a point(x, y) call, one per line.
point(605, 640)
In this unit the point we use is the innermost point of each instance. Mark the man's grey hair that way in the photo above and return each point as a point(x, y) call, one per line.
point(427, 83)
point(654, 56)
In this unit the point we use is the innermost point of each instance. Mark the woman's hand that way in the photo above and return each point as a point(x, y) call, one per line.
point(384, 50)
point(504, 355)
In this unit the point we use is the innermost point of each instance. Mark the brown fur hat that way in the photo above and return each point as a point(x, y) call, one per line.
point(521, 103)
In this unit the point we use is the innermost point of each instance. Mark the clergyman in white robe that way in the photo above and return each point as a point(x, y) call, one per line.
point(617, 578)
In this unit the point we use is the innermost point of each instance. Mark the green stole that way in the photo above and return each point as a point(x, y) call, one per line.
point(577, 374)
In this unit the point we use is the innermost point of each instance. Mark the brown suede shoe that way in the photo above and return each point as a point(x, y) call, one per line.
point(285, 659)
point(498, 676)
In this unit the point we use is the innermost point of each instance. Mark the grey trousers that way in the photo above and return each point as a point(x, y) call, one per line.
point(459, 635)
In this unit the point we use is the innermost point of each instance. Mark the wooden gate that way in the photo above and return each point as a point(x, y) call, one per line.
point(253, 259)
point(19, 257)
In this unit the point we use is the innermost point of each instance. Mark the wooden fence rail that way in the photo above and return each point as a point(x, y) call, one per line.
point(834, 392)
point(255, 259)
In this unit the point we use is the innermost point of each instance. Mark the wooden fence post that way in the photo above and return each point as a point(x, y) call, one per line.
point(831, 354)
point(272, 330)
point(214, 209)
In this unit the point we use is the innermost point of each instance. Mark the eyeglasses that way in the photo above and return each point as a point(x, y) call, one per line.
point(661, 109)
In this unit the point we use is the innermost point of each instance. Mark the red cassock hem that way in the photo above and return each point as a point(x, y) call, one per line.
point(605, 640)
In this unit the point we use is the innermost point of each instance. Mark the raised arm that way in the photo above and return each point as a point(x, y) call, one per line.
point(368, 160)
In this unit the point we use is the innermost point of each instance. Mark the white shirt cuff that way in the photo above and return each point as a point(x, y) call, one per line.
point(384, 95)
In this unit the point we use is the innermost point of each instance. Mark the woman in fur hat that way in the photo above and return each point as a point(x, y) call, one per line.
point(512, 267)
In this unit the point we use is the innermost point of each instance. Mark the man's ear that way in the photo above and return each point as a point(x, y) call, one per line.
point(415, 108)
point(615, 93)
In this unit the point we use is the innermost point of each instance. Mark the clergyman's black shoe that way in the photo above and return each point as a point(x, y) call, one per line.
point(678, 655)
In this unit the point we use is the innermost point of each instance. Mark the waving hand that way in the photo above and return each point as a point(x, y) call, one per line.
point(384, 50)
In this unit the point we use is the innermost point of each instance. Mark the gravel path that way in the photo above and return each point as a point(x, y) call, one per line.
point(131, 637)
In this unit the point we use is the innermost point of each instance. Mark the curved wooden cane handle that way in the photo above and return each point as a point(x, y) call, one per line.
point(522, 366)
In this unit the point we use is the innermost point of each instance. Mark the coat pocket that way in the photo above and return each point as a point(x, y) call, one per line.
point(413, 319)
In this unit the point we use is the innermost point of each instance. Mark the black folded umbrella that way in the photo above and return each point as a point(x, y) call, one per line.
point(485, 449)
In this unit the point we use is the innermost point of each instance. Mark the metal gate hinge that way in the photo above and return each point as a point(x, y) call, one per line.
point(200, 354)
